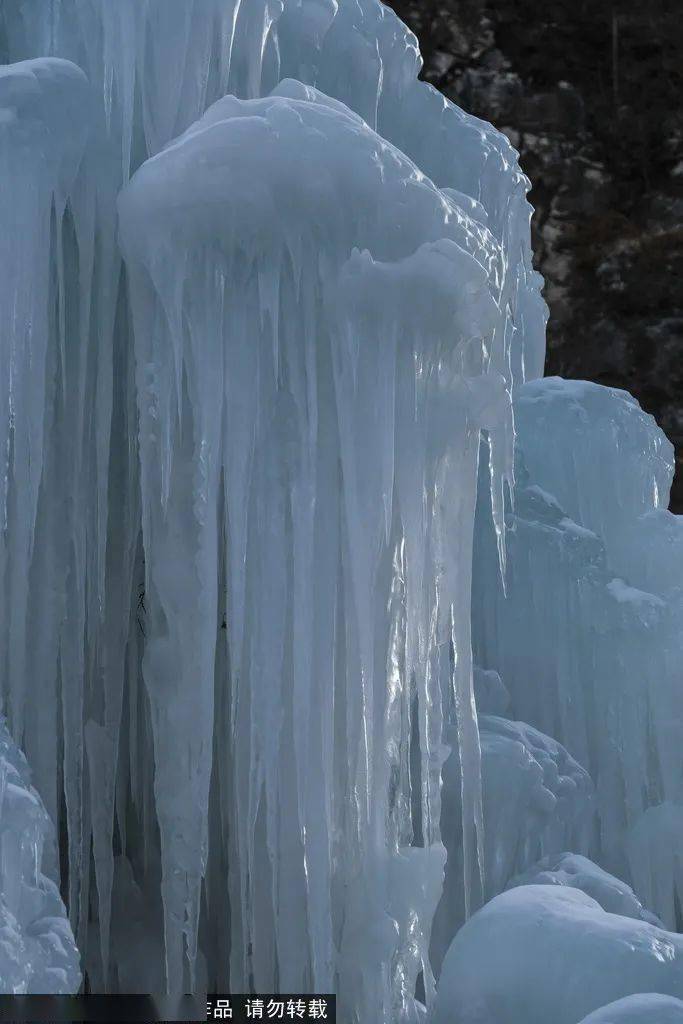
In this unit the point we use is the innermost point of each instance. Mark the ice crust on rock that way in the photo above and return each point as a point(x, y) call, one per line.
point(37, 949)
point(552, 954)
point(648, 1008)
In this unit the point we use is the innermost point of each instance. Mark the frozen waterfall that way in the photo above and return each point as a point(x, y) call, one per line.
point(277, 458)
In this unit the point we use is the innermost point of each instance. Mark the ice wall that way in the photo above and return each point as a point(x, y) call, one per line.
point(309, 383)
point(264, 295)
point(247, 631)
point(588, 638)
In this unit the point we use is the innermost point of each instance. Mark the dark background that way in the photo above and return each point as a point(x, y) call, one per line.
point(590, 94)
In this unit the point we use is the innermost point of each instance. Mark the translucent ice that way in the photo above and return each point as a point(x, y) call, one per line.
point(284, 329)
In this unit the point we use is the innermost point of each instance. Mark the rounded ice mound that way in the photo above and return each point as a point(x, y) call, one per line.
point(299, 173)
point(46, 111)
point(37, 950)
point(536, 797)
point(649, 1008)
point(257, 170)
point(577, 872)
point(543, 953)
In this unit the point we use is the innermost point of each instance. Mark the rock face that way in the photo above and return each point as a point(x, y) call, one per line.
point(591, 90)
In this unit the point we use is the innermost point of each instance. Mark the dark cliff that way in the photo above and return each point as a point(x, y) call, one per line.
point(590, 94)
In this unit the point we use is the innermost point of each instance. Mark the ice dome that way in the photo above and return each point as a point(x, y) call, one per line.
point(552, 953)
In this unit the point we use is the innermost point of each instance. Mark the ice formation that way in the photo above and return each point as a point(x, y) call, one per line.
point(613, 674)
point(37, 948)
point(276, 460)
point(579, 872)
point(641, 1009)
point(552, 954)
point(242, 418)
point(331, 291)
point(536, 800)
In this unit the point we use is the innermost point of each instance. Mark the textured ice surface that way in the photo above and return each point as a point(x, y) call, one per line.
point(537, 800)
point(238, 496)
point(326, 355)
point(579, 872)
point(608, 687)
point(245, 636)
point(552, 954)
point(358, 52)
point(612, 462)
point(490, 692)
point(44, 114)
point(641, 1009)
point(37, 949)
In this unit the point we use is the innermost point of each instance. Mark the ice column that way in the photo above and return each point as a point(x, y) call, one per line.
point(38, 953)
point(311, 320)
point(588, 638)
point(322, 331)
point(61, 629)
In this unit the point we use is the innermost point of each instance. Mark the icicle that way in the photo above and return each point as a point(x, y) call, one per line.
point(319, 329)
